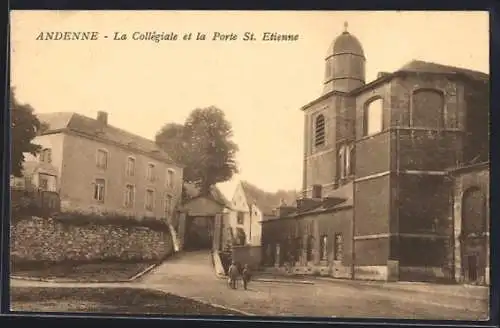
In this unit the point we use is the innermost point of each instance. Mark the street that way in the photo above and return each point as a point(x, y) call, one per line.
point(191, 276)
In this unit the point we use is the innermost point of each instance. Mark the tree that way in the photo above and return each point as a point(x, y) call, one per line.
point(203, 145)
point(171, 139)
point(25, 126)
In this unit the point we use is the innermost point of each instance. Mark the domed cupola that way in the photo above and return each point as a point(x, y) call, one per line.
point(345, 64)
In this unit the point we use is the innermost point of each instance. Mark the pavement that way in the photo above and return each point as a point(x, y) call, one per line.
point(191, 275)
point(455, 290)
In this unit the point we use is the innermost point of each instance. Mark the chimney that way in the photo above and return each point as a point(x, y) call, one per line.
point(102, 117)
point(284, 210)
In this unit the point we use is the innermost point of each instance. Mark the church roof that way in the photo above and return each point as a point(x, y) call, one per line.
point(414, 66)
point(419, 66)
point(68, 121)
point(345, 43)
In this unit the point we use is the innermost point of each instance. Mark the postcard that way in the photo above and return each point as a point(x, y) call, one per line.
point(250, 163)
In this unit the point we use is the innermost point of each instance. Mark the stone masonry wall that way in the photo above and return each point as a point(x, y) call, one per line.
point(47, 240)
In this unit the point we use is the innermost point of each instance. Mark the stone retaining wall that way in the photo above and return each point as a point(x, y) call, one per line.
point(37, 239)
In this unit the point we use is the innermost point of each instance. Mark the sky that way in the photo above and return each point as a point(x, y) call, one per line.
point(260, 86)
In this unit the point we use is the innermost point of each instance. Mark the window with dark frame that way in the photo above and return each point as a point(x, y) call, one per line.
point(324, 248)
point(427, 108)
point(170, 178)
point(341, 160)
point(317, 191)
point(99, 189)
point(168, 204)
point(102, 159)
point(241, 218)
point(298, 248)
point(129, 195)
point(319, 131)
point(130, 166)
point(150, 174)
point(345, 161)
point(46, 155)
point(350, 161)
point(373, 117)
point(338, 252)
point(43, 181)
point(310, 245)
point(149, 200)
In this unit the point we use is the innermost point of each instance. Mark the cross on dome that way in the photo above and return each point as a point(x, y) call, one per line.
point(345, 26)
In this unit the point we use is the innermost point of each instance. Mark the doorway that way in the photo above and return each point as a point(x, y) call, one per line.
point(472, 266)
point(199, 233)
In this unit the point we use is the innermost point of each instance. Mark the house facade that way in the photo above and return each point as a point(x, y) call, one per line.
point(377, 176)
point(38, 173)
point(245, 218)
point(107, 169)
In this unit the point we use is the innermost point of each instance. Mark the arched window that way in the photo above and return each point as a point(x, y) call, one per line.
point(473, 211)
point(328, 69)
point(345, 161)
point(350, 160)
point(341, 159)
point(373, 117)
point(319, 131)
point(427, 108)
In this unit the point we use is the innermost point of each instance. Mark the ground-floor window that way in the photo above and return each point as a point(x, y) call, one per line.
point(277, 257)
point(338, 252)
point(310, 245)
point(324, 248)
point(297, 249)
point(269, 256)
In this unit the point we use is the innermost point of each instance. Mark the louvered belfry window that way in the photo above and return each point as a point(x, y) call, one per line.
point(319, 131)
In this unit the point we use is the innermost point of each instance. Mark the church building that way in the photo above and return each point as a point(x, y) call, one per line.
point(395, 176)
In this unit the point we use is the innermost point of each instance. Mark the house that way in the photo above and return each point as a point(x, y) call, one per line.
point(38, 184)
point(103, 168)
point(251, 206)
point(395, 175)
point(39, 175)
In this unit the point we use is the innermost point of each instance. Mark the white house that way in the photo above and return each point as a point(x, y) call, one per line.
point(250, 206)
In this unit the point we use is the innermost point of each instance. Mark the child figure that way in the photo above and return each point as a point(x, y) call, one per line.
point(246, 276)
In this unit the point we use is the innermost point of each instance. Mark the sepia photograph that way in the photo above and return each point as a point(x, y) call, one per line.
point(322, 164)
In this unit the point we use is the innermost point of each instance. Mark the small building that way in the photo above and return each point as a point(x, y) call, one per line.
point(204, 220)
point(106, 169)
point(39, 175)
point(382, 162)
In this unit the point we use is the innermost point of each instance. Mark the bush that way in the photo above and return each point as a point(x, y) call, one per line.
point(109, 218)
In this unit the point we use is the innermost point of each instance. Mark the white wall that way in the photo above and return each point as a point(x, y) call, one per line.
point(255, 226)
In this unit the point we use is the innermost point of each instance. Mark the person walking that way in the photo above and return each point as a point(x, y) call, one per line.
point(246, 274)
point(233, 275)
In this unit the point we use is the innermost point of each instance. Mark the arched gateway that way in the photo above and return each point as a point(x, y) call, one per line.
point(201, 224)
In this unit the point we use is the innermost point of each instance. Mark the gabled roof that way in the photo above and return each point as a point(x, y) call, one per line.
point(266, 201)
point(61, 122)
point(215, 194)
point(31, 167)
